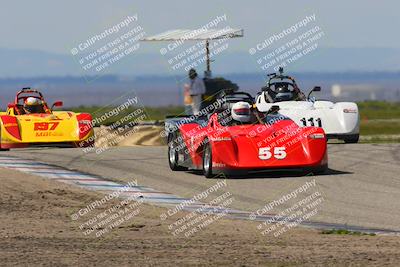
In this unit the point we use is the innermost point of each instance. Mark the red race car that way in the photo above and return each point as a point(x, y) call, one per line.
point(237, 138)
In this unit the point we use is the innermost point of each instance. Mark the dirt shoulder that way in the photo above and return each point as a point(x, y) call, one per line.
point(36, 229)
point(139, 135)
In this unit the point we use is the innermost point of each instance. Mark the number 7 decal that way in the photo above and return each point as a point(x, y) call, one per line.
point(54, 125)
point(44, 126)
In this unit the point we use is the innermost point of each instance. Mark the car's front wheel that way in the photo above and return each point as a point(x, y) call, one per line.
point(207, 161)
point(173, 154)
point(351, 139)
point(316, 170)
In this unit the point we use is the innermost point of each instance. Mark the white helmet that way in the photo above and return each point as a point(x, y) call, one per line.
point(241, 111)
point(33, 105)
point(32, 101)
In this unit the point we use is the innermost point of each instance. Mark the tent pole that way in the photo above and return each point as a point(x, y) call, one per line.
point(208, 72)
point(208, 55)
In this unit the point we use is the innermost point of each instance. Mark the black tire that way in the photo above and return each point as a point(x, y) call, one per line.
point(352, 139)
point(173, 154)
point(321, 170)
point(207, 161)
point(316, 170)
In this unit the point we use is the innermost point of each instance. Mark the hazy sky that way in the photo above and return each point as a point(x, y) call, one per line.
point(56, 26)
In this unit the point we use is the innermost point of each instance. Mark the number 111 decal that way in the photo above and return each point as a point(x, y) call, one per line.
point(311, 122)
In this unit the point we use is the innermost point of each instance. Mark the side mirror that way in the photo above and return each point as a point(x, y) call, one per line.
point(57, 104)
point(11, 105)
point(315, 89)
point(273, 109)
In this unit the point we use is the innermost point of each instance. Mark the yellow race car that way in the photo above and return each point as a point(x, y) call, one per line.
point(29, 121)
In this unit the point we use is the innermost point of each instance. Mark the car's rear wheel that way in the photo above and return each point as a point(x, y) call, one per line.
point(352, 139)
point(207, 161)
point(173, 154)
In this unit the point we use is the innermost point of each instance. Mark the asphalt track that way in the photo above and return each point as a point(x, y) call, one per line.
point(361, 188)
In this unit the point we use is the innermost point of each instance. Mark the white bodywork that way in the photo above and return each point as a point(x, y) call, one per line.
point(339, 120)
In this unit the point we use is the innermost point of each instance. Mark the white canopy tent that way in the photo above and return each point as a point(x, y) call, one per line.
point(197, 35)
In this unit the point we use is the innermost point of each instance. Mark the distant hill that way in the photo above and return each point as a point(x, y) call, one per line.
point(164, 90)
point(32, 63)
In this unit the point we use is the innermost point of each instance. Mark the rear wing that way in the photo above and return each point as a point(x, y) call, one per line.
point(238, 96)
point(234, 97)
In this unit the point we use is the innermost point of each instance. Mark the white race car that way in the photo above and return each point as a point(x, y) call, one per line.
point(339, 120)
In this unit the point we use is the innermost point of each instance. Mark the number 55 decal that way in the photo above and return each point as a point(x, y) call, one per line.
point(264, 153)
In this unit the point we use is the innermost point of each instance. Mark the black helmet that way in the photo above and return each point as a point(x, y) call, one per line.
point(283, 93)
